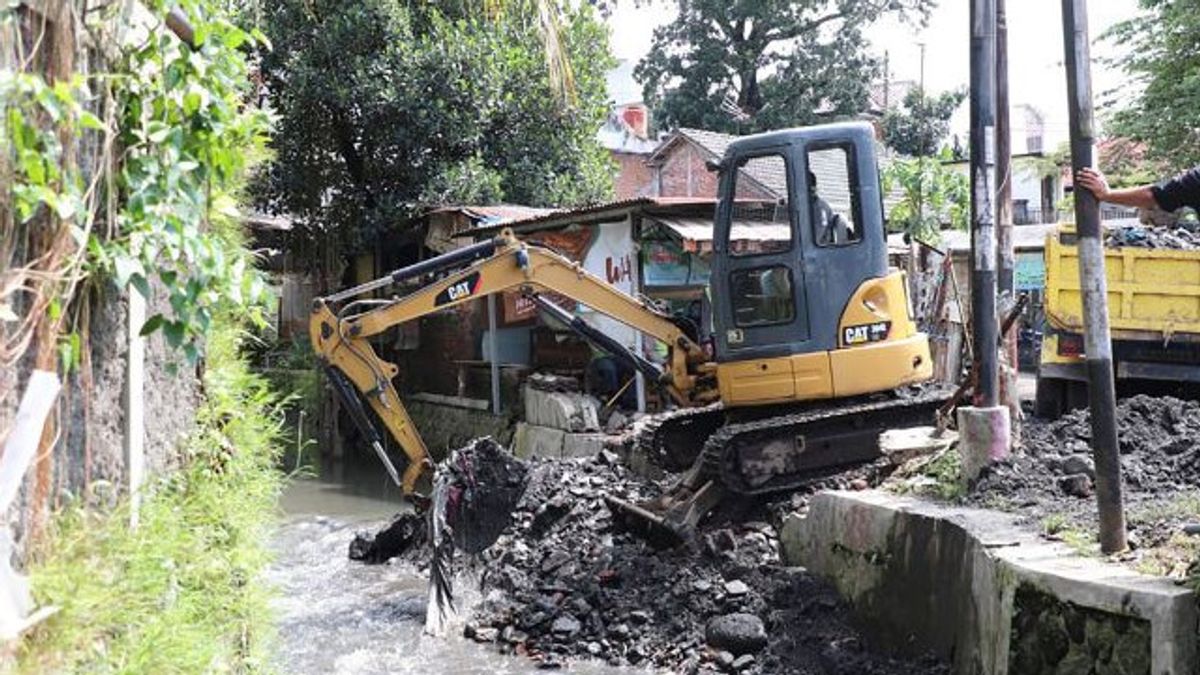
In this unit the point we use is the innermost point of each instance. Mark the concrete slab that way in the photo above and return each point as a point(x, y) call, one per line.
point(582, 445)
point(958, 581)
point(567, 411)
point(531, 440)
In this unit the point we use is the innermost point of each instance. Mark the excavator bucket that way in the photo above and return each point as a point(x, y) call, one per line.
point(670, 520)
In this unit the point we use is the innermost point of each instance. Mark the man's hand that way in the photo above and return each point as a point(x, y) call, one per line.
point(1095, 182)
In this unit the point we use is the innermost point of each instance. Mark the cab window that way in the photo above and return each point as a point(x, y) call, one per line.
point(761, 222)
point(833, 199)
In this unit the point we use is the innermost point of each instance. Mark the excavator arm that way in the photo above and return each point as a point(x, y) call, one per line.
point(342, 325)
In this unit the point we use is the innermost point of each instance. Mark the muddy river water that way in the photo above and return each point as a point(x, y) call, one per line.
point(338, 616)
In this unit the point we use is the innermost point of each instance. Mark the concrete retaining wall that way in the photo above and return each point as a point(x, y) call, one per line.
point(445, 427)
point(965, 582)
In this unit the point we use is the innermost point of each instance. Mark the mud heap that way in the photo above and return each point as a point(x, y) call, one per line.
point(1178, 237)
point(1159, 441)
point(565, 582)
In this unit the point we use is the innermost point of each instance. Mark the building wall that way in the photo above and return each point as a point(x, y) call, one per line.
point(682, 173)
point(635, 178)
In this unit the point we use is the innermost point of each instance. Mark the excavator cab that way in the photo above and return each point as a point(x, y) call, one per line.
point(800, 272)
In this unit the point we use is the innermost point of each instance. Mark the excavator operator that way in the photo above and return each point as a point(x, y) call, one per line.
point(830, 226)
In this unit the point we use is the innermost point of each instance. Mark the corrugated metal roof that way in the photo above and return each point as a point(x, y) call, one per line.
point(701, 229)
point(596, 212)
point(494, 214)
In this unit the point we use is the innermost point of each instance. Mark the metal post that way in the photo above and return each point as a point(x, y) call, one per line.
point(495, 356)
point(1097, 342)
point(983, 224)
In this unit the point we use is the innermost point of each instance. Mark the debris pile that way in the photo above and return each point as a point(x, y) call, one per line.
point(1160, 459)
point(565, 582)
point(1182, 237)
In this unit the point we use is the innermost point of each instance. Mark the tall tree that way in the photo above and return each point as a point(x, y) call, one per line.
point(1160, 55)
point(918, 128)
point(388, 106)
point(752, 65)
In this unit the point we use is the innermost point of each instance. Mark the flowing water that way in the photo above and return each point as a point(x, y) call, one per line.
point(339, 616)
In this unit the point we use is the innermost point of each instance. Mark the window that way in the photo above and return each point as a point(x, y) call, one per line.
point(762, 296)
point(761, 222)
point(833, 196)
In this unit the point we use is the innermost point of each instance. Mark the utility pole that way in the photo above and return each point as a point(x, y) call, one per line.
point(1005, 281)
point(983, 427)
point(1004, 205)
point(1097, 343)
point(983, 223)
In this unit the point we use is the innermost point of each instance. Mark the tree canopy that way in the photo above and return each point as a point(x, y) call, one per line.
point(918, 128)
point(754, 65)
point(1161, 56)
point(387, 106)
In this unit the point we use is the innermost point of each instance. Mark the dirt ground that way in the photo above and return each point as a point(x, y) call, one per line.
point(1050, 483)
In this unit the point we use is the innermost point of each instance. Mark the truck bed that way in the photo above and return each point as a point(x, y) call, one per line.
point(1153, 294)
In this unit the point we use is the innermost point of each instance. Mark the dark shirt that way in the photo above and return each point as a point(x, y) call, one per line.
point(1178, 192)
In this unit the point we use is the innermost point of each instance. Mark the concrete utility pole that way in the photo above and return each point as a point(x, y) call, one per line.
point(1004, 205)
point(984, 428)
point(1005, 276)
point(983, 222)
point(1097, 343)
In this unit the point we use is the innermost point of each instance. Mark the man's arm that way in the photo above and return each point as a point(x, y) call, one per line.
point(1139, 197)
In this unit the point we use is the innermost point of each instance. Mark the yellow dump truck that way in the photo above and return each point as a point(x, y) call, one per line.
point(1154, 315)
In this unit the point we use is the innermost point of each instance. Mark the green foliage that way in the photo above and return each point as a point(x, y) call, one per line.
point(40, 178)
point(187, 137)
point(386, 107)
point(182, 593)
point(184, 135)
point(784, 63)
point(1160, 55)
point(935, 195)
point(918, 129)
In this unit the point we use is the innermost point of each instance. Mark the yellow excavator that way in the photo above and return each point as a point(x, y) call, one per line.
point(814, 345)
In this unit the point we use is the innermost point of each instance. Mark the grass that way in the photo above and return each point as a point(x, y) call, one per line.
point(182, 592)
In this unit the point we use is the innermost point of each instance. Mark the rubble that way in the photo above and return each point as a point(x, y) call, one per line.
point(1182, 236)
point(568, 582)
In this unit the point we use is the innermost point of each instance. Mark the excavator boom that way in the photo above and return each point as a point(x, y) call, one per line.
point(342, 325)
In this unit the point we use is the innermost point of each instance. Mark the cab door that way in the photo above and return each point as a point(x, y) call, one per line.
point(758, 280)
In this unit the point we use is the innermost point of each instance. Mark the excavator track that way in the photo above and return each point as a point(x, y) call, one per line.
point(787, 452)
point(674, 439)
point(775, 453)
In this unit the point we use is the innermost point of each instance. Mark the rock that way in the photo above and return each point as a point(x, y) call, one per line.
point(702, 585)
point(736, 588)
point(743, 662)
point(620, 631)
point(639, 616)
point(594, 648)
point(725, 660)
point(513, 636)
point(547, 515)
point(565, 625)
point(1079, 464)
point(739, 633)
point(1076, 485)
point(555, 560)
point(859, 484)
point(485, 634)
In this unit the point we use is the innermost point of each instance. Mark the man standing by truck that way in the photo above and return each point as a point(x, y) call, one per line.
point(1169, 195)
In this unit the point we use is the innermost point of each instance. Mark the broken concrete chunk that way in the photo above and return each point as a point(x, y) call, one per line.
point(743, 662)
point(739, 633)
point(736, 588)
point(565, 625)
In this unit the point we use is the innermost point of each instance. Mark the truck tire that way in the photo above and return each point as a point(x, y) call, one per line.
point(1077, 396)
point(1051, 398)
